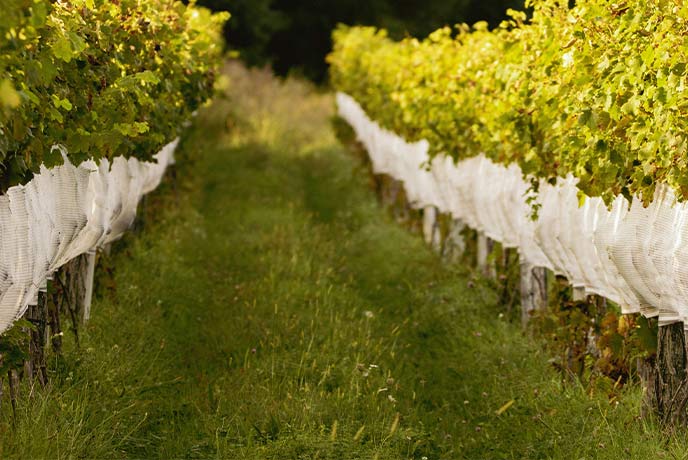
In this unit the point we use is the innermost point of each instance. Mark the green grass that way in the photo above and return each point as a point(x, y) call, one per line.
point(274, 311)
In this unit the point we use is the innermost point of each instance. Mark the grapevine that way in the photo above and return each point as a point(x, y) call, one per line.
point(102, 78)
point(596, 90)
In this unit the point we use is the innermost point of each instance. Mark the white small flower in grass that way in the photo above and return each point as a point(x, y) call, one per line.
point(362, 369)
point(368, 314)
point(391, 399)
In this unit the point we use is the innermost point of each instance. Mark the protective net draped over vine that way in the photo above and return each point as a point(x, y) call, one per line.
point(62, 213)
point(634, 255)
point(93, 95)
point(579, 111)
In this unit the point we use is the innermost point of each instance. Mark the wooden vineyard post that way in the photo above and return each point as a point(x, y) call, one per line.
point(533, 290)
point(389, 192)
point(13, 384)
point(38, 316)
point(437, 233)
point(89, 279)
point(401, 207)
point(484, 250)
point(666, 382)
point(379, 186)
point(54, 322)
point(600, 311)
point(454, 244)
point(431, 228)
point(76, 282)
point(579, 294)
point(79, 285)
point(140, 219)
point(392, 196)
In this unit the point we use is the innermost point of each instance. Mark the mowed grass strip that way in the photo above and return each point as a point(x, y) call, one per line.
point(272, 310)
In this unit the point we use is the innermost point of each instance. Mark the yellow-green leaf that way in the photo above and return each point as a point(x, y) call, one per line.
point(9, 97)
point(505, 407)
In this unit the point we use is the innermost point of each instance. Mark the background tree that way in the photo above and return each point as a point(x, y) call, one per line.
point(294, 35)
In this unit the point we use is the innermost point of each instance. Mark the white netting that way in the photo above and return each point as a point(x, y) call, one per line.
point(636, 256)
point(62, 213)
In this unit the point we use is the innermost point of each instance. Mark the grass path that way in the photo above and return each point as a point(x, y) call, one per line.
point(276, 312)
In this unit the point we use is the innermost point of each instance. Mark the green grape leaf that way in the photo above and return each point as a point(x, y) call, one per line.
point(9, 97)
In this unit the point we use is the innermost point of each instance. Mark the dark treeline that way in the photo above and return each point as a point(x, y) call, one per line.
point(294, 35)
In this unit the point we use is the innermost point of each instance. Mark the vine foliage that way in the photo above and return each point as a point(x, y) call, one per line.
point(597, 90)
point(101, 77)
